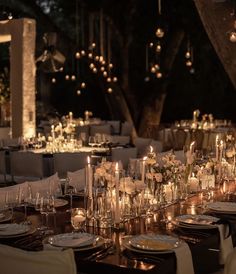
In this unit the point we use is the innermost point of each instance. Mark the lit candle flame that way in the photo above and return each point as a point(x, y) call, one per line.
point(151, 149)
point(117, 166)
point(88, 160)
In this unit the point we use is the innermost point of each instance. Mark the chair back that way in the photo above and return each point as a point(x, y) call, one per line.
point(102, 129)
point(179, 138)
point(115, 127)
point(68, 161)
point(198, 136)
point(14, 260)
point(26, 164)
point(142, 145)
point(3, 169)
point(120, 140)
point(123, 155)
point(126, 129)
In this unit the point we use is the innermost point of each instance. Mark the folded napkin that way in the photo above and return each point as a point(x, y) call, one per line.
point(184, 259)
point(226, 244)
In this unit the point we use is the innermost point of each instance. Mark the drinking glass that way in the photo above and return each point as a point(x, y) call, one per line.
point(78, 217)
point(47, 206)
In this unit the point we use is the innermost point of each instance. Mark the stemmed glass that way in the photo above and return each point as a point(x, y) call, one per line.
point(78, 217)
point(70, 190)
point(47, 207)
point(24, 199)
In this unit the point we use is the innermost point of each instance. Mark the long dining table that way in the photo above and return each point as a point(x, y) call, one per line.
point(114, 258)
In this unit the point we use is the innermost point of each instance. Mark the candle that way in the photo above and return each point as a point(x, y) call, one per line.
point(117, 188)
point(89, 177)
point(143, 169)
point(193, 184)
point(53, 132)
point(168, 192)
point(217, 147)
point(60, 127)
point(191, 148)
point(221, 150)
point(70, 117)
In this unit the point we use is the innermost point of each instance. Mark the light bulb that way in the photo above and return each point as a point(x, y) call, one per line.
point(97, 58)
point(187, 54)
point(110, 65)
point(153, 69)
point(189, 63)
point(93, 45)
point(160, 32)
point(151, 45)
point(77, 55)
point(159, 75)
point(92, 65)
point(109, 90)
point(54, 80)
point(103, 62)
point(192, 70)
point(104, 73)
point(102, 68)
point(108, 79)
point(73, 77)
point(83, 85)
point(232, 36)
point(90, 55)
point(83, 52)
point(158, 47)
point(78, 92)
point(61, 69)
point(10, 16)
point(95, 70)
point(157, 66)
point(101, 59)
point(67, 77)
point(147, 79)
point(115, 79)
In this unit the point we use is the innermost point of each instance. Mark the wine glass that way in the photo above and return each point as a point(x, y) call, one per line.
point(70, 190)
point(47, 206)
point(78, 217)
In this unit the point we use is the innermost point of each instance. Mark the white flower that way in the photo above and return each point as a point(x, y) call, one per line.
point(158, 177)
point(139, 185)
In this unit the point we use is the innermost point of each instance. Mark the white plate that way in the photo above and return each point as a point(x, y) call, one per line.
point(6, 216)
point(95, 242)
point(60, 202)
point(13, 229)
point(223, 207)
point(154, 242)
point(196, 220)
point(126, 244)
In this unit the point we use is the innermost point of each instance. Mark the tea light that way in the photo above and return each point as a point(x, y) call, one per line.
point(193, 184)
point(168, 192)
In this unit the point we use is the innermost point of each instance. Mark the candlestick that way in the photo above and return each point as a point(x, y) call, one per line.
point(117, 187)
point(143, 169)
point(89, 178)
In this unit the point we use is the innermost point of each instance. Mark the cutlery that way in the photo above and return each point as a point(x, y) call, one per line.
point(109, 249)
point(143, 258)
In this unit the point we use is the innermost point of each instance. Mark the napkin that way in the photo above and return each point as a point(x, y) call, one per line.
point(226, 244)
point(184, 259)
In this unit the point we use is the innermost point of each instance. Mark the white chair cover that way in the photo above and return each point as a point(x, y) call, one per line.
point(230, 265)
point(77, 179)
point(123, 155)
point(17, 261)
point(157, 146)
point(115, 126)
point(121, 140)
point(102, 129)
point(142, 145)
point(126, 129)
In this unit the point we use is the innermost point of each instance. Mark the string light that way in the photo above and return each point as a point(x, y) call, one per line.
point(77, 55)
point(73, 77)
point(78, 92)
point(67, 77)
point(83, 85)
point(109, 90)
point(54, 80)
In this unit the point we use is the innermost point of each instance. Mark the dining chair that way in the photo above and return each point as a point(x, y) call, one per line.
point(3, 169)
point(120, 140)
point(123, 155)
point(198, 136)
point(102, 129)
point(143, 145)
point(69, 161)
point(77, 179)
point(17, 261)
point(126, 129)
point(230, 264)
point(25, 165)
point(115, 126)
point(179, 138)
point(157, 146)
point(82, 131)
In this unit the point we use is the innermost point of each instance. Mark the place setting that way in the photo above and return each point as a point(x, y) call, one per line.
point(150, 246)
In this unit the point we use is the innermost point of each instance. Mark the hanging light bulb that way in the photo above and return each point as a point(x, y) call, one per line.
point(232, 36)
point(147, 79)
point(192, 70)
point(73, 77)
point(151, 45)
point(103, 62)
point(54, 80)
point(109, 90)
point(187, 54)
point(188, 63)
point(83, 85)
point(159, 75)
point(110, 65)
point(95, 70)
point(101, 59)
point(102, 68)
point(77, 55)
point(158, 47)
point(115, 79)
point(93, 45)
point(153, 69)
point(105, 73)
point(108, 79)
point(90, 55)
point(91, 65)
point(83, 53)
point(67, 77)
point(10, 16)
point(78, 92)
point(97, 58)
point(160, 32)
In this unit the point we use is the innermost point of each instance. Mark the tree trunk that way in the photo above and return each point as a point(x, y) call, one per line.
point(218, 22)
point(151, 115)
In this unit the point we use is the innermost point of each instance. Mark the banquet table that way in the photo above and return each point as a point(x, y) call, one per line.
point(204, 245)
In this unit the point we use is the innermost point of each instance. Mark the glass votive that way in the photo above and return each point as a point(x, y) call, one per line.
point(78, 217)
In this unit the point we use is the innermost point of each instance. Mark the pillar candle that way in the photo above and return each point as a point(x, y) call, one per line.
point(117, 189)
point(89, 175)
point(143, 169)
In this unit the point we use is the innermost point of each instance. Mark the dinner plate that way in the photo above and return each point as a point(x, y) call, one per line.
point(154, 242)
point(5, 216)
point(13, 229)
point(82, 242)
point(60, 202)
point(223, 207)
point(196, 221)
point(126, 243)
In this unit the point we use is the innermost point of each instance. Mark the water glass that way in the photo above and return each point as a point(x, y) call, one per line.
point(78, 218)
